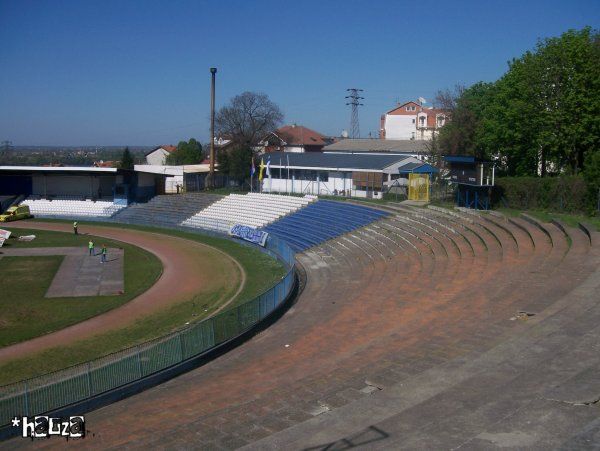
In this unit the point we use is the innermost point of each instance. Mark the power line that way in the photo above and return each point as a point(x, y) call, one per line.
point(355, 99)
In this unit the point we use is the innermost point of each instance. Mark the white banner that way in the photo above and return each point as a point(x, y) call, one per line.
point(249, 234)
point(4, 234)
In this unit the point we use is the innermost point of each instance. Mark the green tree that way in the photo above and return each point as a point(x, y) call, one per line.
point(189, 152)
point(542, 115)
point(236, 162)
point(126, 160)
point(466, 108)
point(591, 173)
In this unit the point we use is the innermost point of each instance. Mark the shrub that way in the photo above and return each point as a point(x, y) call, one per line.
point(561, 194)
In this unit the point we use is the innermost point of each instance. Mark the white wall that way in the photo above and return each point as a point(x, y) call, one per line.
point(294, 149)
point(177, 171)
point(158, 157)
point(400, 127)
point(337, 181)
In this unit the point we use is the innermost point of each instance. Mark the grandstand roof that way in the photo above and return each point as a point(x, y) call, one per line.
point(418, 168)
point(334, 161)
point(377, 145)
point(69, 169)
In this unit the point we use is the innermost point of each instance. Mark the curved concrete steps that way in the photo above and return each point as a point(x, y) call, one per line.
point(417, 325)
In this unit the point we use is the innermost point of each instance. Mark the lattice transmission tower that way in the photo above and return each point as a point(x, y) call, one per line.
point(354, 101)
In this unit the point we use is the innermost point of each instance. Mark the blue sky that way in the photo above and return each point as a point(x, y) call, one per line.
point(137, 72)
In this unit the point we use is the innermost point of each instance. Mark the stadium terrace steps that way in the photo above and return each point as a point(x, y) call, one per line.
point(415, 323)
point(167, 209)
point(252, 209)
point(322, 221)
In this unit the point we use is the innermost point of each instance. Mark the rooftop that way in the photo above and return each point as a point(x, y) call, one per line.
point(377, 145)
point(333, 161)
point(298, 135)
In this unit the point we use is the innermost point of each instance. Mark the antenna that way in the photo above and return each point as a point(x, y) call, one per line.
point(355, 99)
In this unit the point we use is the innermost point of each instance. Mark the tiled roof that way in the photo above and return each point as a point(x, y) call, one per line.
point(298, 135)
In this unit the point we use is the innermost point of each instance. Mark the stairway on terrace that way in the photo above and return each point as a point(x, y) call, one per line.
point(423, 329)
point(167, 209)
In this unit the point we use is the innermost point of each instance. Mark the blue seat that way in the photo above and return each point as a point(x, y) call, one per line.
point(322, 221)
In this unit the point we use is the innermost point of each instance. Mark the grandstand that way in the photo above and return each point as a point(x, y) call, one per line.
point(492, 324)
point(322, 221)
point(167, 209)
point(252, 209)
point(72, 207)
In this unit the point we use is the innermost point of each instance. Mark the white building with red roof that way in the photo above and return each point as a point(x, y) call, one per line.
point(158, 156)
point(294, 138)
point(412, 120)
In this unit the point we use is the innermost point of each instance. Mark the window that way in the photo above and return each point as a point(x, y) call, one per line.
point(440, 121)
point(413, 121)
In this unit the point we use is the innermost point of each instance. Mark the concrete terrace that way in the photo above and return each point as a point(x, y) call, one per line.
point(424, 330)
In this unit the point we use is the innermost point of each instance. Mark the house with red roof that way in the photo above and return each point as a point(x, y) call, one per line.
point(411, 120)
point(294, 138)
point(158, 155)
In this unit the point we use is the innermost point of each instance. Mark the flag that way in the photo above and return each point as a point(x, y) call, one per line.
point(262, 167)
point(269, 167)
point(253, 169)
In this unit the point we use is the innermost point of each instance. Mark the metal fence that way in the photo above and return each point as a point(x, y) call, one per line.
point(80, 382)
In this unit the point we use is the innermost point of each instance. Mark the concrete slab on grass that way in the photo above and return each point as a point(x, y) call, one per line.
point(80, 274)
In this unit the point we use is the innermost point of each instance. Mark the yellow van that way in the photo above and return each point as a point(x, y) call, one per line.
point(15, 213)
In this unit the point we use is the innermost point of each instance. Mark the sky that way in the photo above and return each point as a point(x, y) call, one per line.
point(116, 72)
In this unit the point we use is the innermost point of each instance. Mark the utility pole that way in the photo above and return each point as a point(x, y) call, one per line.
point(211, 174)
point(355, 99)
point(6, 145)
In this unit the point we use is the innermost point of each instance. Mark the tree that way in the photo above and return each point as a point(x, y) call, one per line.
point(466, 109)
point(248, 118)
point(236, 162)
point(591, 173)
point(126, 160)
point(447, 99)
point(186, 153)
point(542, 115)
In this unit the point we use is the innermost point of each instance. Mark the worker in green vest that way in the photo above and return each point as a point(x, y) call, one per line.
point(91, 247)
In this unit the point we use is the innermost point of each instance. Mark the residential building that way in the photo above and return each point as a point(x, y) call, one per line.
point(158, 156)
point(294, 138)
point(412, 121)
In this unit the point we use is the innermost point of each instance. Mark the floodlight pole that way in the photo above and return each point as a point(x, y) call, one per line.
point(211, 182)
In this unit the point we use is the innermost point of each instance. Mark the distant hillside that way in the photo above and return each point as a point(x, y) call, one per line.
point(66, 155)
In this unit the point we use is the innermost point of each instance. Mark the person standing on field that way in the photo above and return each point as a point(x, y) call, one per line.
point(104, 252)
point(91, 247)
point(75, 227)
